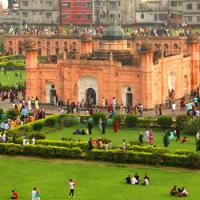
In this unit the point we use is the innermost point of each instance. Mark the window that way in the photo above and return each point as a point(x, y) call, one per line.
point(67, 5)
point(189, 6)
point(78, 4)
point(198, 18)
point(78, 16)
point(173, 3)
point(25, 14)
point(66, 16)
point(89, 16)
point(25, 3)
point(142, 16)
point(198, 6)
point(119, 16)
point(48, 15)
point(88, 5)
point(49, 3)
point(190, 19)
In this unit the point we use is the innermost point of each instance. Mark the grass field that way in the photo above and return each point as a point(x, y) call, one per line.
point(124, 133)
point(10, 78)
point(95, 181)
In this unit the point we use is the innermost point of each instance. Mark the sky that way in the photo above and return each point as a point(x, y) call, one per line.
point(5, 3)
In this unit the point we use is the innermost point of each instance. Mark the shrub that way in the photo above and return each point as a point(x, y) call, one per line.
point(96, 116)
point(40, 150)
point(38, 125)
point(181, 120)
point(68, 120)
point(165, 121)
point(131, 121)
point(51, 121)
point(118, 118)
point(192, 126)
point(12, 113)
point(145, 122)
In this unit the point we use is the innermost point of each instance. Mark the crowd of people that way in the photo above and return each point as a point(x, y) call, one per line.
point(26, 112)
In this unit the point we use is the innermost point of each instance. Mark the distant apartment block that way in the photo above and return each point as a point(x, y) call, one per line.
point(39, 11)
point(77, 12)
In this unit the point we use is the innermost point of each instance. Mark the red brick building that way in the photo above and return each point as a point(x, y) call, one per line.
point(76, 12)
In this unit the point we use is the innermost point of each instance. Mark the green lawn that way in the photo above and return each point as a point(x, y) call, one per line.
point(95, 181)
point(10, 78)
point(124, 133)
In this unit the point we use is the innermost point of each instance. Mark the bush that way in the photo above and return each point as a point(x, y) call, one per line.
point(40, 150)
point(118, 118)
point(38, 125)
point(145, 122)
point(165, 121)
point(51, 121)
point(12, 114)
point(131, 121)
point(96, 117)
point(181, 120)
point(192, 126)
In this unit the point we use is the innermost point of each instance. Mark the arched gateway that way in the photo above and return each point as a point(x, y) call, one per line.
point(88, 89)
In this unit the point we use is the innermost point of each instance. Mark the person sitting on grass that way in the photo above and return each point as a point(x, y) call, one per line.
point(184, 140)
point(137, 177)
point(77, 132)
point(134, 181)
point(14, 195)
point(145, 180)
point(182, 192)
point(174, 191)
point(128, 179)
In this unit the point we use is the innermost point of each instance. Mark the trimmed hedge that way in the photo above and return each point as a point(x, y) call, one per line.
point(190, 161)
point(96, 117)
point(131, 121)
point(40, 150)
point(165, 121)
point(181, 120)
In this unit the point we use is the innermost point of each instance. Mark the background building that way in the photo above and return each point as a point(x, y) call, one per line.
point(122, 11)
point(77, 12)
point(39, 11)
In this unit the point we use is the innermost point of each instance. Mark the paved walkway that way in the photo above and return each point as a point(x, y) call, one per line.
point(50, 109)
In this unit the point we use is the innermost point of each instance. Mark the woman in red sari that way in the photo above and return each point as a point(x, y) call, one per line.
point(116, 126)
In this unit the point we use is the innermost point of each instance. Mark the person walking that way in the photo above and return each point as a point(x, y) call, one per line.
point(173, 109)
point(90, 127)
point(71, 188)
point(166, 140)
point(151, 137)
point(34, 191)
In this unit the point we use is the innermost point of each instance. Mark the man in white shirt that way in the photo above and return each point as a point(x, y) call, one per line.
point(34, 192)
point(134, 181)
point(71, 187)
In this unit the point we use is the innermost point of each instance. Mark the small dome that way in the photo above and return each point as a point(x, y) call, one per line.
point(113, 33)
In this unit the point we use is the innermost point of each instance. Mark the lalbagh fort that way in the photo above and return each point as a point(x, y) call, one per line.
point(133, 70)
point(100, 99)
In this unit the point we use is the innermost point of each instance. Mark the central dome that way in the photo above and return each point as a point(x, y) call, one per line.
point(113, 33)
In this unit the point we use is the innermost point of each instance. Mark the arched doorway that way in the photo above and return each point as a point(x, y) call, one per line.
point(87, 85)
point(91, 96)
point(50, 92)
point(127, 96)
